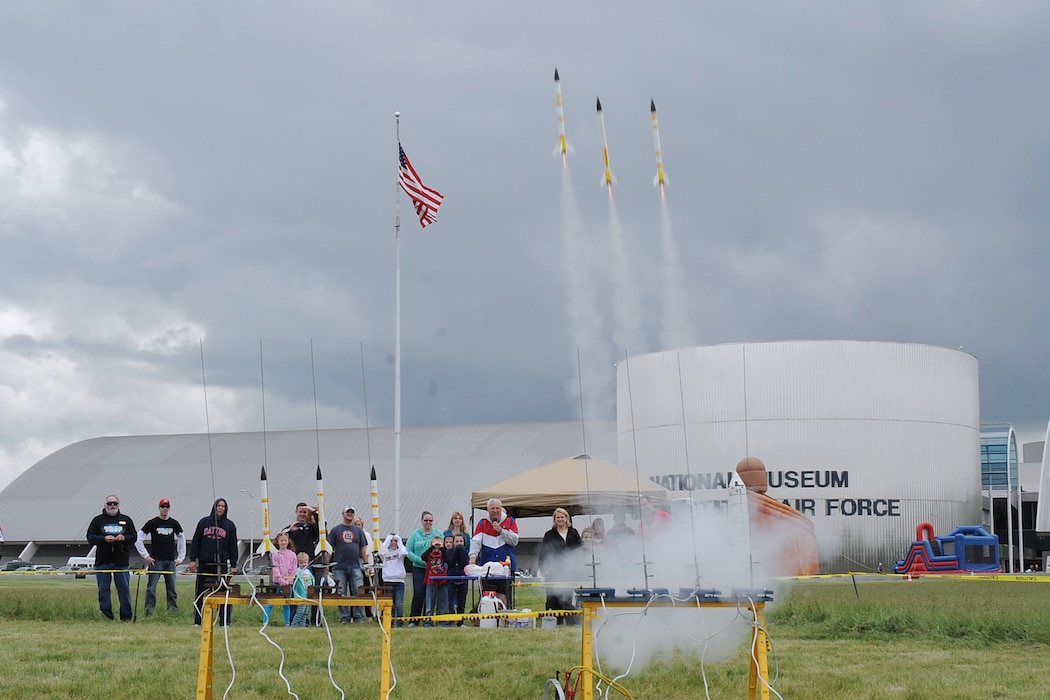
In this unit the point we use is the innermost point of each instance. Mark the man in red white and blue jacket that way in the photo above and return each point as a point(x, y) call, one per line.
point(495, 537)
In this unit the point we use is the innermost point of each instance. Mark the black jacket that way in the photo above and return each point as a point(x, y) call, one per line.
point(115, 554)
point(215, 539)
point(554, 558)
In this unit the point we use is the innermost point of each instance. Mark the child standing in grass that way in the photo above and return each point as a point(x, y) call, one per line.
point(283, 562)
point(394, 573)
point(436, 602)
point(456, 557)
point(303, 580)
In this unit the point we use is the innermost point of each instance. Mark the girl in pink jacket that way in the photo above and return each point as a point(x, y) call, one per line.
point(283, 572)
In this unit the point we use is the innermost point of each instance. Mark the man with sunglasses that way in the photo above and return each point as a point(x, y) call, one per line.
point(111, 532)
point(167, 549)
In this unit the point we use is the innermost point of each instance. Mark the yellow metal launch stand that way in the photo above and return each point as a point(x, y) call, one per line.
point(206, 667)
point(758, 677)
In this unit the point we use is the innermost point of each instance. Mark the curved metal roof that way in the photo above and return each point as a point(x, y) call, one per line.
point(54, 500)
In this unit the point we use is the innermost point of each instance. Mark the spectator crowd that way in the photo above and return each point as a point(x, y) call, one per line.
point(439, 563)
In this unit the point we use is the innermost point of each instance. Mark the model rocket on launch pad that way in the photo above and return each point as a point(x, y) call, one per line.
point(264, 498)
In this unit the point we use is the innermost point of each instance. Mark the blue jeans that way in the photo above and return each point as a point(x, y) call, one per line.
point(122, 578)
point(287, 609)
point(436, 602)
point(397, 591)
point(348, 583)
point(207, 576)
point(457, 597)
point(168, 569)
point(419, 590)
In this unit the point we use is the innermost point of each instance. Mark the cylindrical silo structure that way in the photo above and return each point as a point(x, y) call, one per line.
point(867, 438)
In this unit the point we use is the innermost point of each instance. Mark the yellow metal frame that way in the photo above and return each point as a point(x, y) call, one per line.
point(206, 666)
point(758, 676)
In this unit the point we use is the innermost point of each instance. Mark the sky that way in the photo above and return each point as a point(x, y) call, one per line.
point(198, 204)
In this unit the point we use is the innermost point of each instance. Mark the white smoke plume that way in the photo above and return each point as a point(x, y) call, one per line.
point(584, 319)
point(675, 332)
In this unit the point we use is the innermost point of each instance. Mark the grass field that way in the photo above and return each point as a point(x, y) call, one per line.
point(885, 639)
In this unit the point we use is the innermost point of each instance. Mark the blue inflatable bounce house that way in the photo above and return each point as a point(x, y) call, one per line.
point(967, 549)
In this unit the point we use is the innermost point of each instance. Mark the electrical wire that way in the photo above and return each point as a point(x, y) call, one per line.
point(754, 642)
point(613, 685)
point(262, 633)
point(558, 691)
point(322, 618)
point(752, 621)
point(634, 644)
point(386, 639)
point(223, 583)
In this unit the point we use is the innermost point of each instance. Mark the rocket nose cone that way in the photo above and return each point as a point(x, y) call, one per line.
point(652, 106)
point(556, 78)
point(599, 101)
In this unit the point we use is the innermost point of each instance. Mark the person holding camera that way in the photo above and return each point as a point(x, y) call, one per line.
point(111, 532)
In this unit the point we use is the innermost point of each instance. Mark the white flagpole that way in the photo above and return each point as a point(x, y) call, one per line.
point(397, 343)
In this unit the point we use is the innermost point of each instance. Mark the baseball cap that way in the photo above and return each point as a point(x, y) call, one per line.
point(164, 502)
point(349, 509)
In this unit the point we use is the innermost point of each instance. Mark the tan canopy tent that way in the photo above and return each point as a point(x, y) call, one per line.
point(580, 484)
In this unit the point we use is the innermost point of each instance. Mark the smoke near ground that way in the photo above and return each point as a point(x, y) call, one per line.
point(708, 546)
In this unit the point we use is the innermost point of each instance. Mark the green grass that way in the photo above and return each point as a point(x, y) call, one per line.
point(928, 639)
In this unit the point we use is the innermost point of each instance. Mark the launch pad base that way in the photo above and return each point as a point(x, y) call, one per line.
point(206, 666)
point(593, 602)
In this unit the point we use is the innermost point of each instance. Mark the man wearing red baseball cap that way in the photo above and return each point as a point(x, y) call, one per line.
point(167, 550)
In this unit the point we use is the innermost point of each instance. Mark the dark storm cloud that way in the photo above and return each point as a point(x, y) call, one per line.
point(225, 173)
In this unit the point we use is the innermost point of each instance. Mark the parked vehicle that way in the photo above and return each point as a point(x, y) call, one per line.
point(16, 564)
point(81, 562)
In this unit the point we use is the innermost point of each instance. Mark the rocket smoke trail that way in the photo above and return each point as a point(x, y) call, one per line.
point(675, 331)
point(585, 321)
point(627, 314)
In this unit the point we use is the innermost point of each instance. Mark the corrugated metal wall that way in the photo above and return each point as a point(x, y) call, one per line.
point(867, 438)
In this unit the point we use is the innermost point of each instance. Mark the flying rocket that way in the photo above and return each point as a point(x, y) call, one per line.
point(660, 178)
point(607, 177)
point(563, 146)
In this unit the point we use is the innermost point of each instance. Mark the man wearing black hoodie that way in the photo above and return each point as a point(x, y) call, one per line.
point(213, 552)
point(111, 532)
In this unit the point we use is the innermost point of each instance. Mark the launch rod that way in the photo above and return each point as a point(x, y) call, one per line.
point(262, 487)
point(322, 525)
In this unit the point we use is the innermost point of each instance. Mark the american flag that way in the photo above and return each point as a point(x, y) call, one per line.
point(425, 199)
